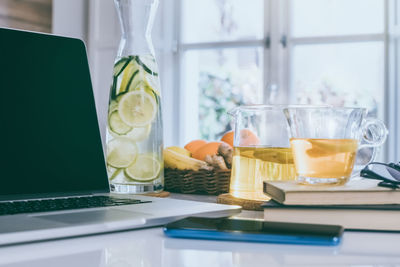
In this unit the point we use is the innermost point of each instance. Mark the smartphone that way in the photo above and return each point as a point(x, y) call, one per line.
point(255, 231)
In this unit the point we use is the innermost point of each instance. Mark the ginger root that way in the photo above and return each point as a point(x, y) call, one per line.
point(216, 161)
point(226, 152)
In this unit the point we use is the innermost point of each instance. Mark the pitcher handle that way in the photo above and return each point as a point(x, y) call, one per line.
point(374, 134)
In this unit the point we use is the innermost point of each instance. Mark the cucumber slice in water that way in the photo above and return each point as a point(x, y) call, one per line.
point(128, 74)
point(148, 63)
point(121, 65)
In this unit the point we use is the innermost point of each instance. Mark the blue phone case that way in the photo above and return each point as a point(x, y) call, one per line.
point(259, 237)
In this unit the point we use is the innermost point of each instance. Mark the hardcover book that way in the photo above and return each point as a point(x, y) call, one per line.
point(356, 192)
point(351, 217)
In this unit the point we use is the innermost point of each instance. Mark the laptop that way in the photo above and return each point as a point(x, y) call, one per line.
point(54, 181)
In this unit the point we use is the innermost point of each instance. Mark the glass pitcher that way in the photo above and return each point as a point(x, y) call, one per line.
point(134, 130)
point(261, 150)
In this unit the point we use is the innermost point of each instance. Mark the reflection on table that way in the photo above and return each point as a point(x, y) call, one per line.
point(150, 247)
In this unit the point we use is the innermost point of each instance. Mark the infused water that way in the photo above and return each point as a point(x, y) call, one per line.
point(253, 165)
point(134, 129)
point(324, 158)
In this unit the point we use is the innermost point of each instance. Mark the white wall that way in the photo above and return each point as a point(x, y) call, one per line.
point(70, 18)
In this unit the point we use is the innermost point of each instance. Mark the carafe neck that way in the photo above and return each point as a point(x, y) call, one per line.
point(136, 19)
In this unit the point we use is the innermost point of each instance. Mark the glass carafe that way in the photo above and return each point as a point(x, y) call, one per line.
point(261, 150)
point(134, 129)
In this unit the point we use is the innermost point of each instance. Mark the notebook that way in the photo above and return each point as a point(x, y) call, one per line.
point(54, 181)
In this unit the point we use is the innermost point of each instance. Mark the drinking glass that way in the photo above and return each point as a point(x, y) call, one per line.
point(325, 141)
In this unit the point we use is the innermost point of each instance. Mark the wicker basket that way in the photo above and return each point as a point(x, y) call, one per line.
point(197, 182)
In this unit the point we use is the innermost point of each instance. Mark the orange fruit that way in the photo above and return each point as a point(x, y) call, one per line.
point(194, 145)
point(210, 148)
point(228, 138)
point(248, 138)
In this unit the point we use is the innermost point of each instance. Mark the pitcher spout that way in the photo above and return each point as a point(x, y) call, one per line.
point(233, 112)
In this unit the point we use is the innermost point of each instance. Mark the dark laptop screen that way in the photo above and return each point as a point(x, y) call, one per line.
point(50, 140)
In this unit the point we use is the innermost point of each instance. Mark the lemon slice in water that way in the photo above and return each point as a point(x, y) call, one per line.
point(121, 152)
point(145, 169)
point(129, 74)
point(117, 125)
point(137, 108)
point(139, 133)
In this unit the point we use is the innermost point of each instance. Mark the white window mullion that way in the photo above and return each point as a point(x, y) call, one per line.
point(284, 51)
point(277, 64)
point(165, 36)
point(178, 107)
point(338, 39)
point(267, 81)
point(222, 44)
point(188, 96)
point(274, 46)
point(392, 79)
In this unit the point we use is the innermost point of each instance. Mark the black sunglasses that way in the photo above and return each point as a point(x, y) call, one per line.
point(389, 174)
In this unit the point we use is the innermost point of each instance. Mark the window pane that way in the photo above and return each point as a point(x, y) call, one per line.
point(336, 17)
point(348, 74)
point(221, 20)
point(214, 82)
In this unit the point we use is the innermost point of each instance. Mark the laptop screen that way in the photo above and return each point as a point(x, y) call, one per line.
point(50, 140)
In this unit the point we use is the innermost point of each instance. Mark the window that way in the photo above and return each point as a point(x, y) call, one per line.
point(336, 52)
point(232, 52)
point(222, 57)
point(216, 54)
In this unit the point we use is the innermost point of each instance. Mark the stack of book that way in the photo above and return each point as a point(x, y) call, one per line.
point(359, 205)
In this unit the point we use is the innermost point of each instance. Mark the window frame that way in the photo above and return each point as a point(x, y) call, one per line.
point(277, 45)
point(391, 150)
point(180, 136)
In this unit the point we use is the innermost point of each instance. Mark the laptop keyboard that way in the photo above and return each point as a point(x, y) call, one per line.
point(56, 204)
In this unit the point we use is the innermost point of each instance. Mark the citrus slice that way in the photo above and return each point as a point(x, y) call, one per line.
point(112, 106)
point(145, 169)
point(120, 65)
point(139, 133)
point(121, 152)
point(152, 83)
point(335, 145)
point(128, 75)
point(114, 174)
point(145, 82)
point(137, 108)
point(117, 125)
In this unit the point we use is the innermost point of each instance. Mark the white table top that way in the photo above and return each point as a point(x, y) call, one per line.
point(149, 247)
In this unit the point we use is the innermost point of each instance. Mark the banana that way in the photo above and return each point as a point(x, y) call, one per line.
point(175, 160)
point(180, 150)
